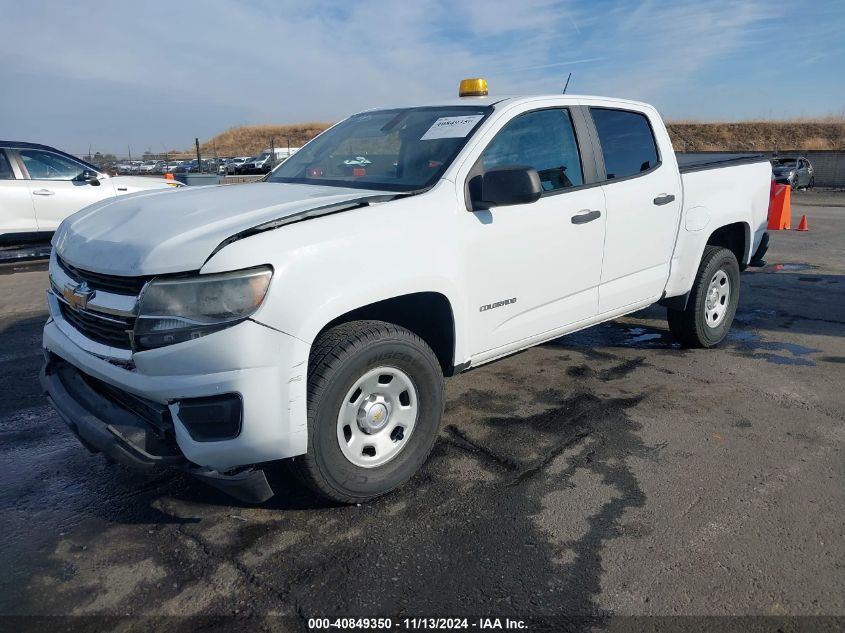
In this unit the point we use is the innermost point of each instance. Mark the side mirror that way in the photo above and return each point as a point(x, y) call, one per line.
point(505, 186)
point(90, 177)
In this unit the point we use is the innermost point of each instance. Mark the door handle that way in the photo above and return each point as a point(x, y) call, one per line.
point(43, 192)
point(585, 215)
point(664, 198)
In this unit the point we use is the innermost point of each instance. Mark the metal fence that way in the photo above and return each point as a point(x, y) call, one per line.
point(829, 165)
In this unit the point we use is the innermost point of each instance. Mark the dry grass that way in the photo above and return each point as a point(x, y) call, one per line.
point(798, 134)
point(249, 140)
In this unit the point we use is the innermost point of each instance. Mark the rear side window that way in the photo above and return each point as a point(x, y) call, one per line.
point(544, 140)
point(5, 167)
point(627, 142)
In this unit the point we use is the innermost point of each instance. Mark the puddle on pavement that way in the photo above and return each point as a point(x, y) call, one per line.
point(741, 338)
point(618, 335)
point(749, 342)
point(775, 268)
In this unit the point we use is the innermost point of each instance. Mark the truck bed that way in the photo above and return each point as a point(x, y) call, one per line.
point(698, 161)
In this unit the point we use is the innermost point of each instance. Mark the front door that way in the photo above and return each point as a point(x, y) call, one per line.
point(534, 268)
point(17, 215)
point(56, 191)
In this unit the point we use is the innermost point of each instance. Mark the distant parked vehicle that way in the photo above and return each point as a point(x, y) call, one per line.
point(40, 186)
point(150, 167)
point(795, 171)
point(268, 159)
point(193, 167)
point(236, 164)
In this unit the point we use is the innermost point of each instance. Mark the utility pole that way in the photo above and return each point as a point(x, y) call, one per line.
point(199, 160)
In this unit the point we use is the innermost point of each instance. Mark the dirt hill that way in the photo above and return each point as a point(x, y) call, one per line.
point(249, 140)
point(759, 135)
point(691, 136)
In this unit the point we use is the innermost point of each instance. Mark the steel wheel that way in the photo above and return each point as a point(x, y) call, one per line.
point(718, 299)
point(377, 417)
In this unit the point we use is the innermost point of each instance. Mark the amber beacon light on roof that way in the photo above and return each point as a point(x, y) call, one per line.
point(473, 88)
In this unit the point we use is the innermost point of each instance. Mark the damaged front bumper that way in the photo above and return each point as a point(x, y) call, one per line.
point(134, 431)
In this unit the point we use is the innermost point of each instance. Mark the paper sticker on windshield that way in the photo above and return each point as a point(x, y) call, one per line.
point(451, 127)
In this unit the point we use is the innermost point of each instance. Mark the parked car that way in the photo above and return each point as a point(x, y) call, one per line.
point(236, 164)
point(795, 171)
point(149, 167)
point(268, 159)
point(266, 332)
point(40, 186)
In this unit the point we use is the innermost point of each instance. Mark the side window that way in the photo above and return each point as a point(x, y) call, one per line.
point(43, 165)
point(544, 140)
point(627, 142)
point(5, 167)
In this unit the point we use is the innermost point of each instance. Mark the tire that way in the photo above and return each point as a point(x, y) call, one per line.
point(812, 183)
point(357, 357)
point(693, 326)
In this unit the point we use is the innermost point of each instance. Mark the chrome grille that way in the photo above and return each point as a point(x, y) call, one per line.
point(106, 329)
point(107, 283)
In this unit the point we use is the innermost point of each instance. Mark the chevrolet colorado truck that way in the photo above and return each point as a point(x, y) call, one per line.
point(313, 316)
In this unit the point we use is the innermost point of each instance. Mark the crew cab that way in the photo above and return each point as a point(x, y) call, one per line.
point(313, 316)
point(40, 186)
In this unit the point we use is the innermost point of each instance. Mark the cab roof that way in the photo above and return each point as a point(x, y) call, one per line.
point(498, 101)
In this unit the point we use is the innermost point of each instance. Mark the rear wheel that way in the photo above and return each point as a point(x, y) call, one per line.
point(375, 399)
point(712, 303)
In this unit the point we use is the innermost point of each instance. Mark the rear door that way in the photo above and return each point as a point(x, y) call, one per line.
point(56, 192)
point(642, 191)
point(17, 214)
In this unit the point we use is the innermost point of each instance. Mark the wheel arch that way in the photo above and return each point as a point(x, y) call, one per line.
point(736, 237)
point(427, 314)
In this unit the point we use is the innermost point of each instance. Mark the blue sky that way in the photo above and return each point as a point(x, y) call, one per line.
point(153, 75)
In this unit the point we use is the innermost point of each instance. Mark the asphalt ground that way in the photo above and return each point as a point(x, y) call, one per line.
point(609, 473)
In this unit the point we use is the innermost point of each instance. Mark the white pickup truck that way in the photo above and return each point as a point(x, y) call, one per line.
point(313, 316)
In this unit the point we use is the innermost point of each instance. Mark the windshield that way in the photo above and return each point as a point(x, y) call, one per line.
point(784, 162)
point(395, 150)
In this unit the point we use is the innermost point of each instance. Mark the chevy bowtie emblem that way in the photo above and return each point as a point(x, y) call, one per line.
point(78, 295)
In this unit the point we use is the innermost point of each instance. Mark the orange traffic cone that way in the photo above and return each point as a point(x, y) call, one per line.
point(802, 225)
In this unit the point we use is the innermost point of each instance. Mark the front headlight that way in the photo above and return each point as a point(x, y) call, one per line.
point(181, 309)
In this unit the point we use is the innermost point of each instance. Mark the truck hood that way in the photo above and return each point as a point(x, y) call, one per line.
point(176, 230)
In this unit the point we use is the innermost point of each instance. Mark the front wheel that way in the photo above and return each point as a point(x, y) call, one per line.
point(712, 302)
point(375, 399)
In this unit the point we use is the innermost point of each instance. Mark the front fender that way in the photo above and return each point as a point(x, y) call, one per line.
point(327, 266)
